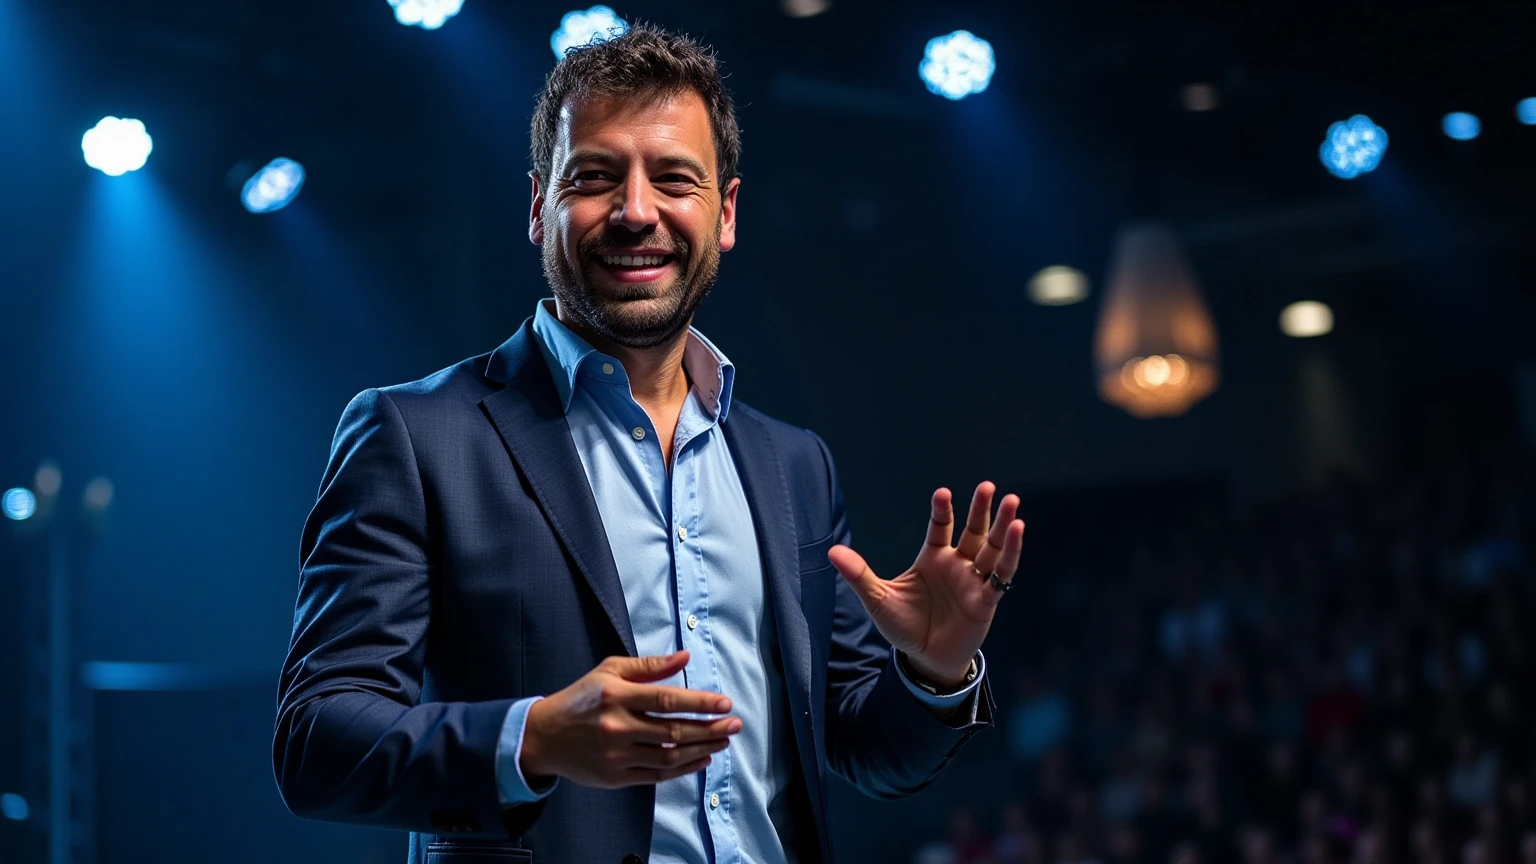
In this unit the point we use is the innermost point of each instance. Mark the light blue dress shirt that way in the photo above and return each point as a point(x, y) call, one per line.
point(688, 560)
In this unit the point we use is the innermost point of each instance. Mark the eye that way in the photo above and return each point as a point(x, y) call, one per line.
point(588, 179)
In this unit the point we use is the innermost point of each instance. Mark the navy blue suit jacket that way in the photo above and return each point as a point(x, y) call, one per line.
point(455, 561)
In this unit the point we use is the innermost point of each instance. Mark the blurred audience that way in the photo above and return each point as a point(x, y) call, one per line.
point(1346, 681)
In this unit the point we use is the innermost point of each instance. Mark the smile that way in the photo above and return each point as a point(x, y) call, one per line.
point(635, 260)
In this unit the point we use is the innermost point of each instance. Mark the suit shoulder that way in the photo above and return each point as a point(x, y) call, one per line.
point(798, 441)
point(462, 383)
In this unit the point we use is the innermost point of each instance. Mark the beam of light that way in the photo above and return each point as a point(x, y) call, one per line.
point(121, 675)
point(426, 14)
point(1461, 126)
point(273, 187)
point(1353, 147)
point(19, 504)
point(1305, 319)
point(582, 26)
point(1058, 286)
point(116, 146)
point(1525, 111)
point(957, 65)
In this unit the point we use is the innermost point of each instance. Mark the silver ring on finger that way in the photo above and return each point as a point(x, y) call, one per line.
point(998, 584)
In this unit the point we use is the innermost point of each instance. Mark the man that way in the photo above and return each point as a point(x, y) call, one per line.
point(585, 515)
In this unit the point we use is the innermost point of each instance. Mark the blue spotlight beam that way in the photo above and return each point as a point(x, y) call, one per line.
point(582, 26)
point(1461, 126)
point(957, 65)
point(426, 14)
point(1353, 147)
point(117, 145)
point(273, 187)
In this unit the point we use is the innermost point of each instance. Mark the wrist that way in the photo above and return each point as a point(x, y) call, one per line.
point(940, 679)
point(532, 759)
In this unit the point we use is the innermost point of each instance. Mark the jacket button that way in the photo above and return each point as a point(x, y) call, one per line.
point(632, 858)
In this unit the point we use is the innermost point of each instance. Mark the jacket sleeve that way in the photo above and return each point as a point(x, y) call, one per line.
point(880, 737)
point(353, 741)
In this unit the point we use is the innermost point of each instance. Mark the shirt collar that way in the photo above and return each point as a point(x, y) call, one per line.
point(568, 354)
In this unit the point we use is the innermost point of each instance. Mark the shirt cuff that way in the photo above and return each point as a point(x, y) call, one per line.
point(943, 705)
point(511, 786)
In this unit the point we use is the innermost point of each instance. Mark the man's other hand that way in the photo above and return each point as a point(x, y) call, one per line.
point(600, 731)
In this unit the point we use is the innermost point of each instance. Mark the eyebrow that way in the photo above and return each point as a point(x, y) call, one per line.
point(578, 157)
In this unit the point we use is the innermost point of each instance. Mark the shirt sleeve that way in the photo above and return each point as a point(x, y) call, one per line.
point(511, 786)
point(947, 706)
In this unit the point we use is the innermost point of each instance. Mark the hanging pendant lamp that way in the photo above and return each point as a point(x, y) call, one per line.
point(1155, 351)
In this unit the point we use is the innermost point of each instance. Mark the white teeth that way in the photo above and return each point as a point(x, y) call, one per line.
point(634, 260)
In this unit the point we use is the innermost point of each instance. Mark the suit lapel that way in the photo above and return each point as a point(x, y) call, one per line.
point(526, 413)
point(762, 478)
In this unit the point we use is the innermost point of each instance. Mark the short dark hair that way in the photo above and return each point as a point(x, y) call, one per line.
point(644, 61)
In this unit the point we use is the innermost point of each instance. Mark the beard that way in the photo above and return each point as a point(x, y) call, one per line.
point(632, 315)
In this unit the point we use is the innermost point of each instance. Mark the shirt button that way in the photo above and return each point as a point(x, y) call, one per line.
point(693, 622)
point(714, 800)
point(637, 433)
point(607, 368)
point(682, 533)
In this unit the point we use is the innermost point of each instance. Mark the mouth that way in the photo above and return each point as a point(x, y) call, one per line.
point(641, 266)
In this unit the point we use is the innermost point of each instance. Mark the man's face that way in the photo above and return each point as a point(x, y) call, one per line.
point(633, 218)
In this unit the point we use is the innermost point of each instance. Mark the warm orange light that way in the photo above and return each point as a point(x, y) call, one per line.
point(1156, 344)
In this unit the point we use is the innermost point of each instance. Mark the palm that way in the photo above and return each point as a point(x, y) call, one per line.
point(938, 612)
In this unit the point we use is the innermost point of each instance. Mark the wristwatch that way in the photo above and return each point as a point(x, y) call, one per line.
point(931, 690)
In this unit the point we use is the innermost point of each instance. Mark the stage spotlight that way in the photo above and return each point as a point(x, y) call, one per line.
point(1058, 286)
point(806, 8)
point(48, 479)
point(957, 65)
point(1353, 147)
point(19, 504)
point(426, 14)
point(116, 146)
point(14, 807)
point(1461, 126)
point(584, 25)
point(98, 496)
point(1306, 318)
point(273, 187)
point(1525, 110)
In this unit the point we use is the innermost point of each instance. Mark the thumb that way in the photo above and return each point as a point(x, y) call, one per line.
point(856, 571)
point(653, 668)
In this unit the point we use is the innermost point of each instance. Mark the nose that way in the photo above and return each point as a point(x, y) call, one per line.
point(636, 208)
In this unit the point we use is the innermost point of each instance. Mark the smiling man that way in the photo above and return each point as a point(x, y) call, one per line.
point(569, 601)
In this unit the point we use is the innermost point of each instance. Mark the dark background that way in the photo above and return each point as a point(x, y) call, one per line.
point(155, 333)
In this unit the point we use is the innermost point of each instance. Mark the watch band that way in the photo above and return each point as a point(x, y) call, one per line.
point(930, 689)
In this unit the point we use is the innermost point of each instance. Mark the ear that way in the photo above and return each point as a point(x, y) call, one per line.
point(536, 213)
point(728, 215)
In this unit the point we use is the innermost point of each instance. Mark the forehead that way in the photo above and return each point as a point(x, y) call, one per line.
point(645, 126)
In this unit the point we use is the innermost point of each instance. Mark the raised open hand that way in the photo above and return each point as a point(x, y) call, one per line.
point(938, 612)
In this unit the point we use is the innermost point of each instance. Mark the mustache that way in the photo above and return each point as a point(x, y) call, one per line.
point(618, 242)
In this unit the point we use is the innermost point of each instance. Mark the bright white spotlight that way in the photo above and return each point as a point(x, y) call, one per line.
point(1058, 286)
point(18, 504)
point(1353, 147)
point(273, 187)
point(426, 14)
point(957, 65)
point(116, 146)
point(585, 25)
point(1461, 126)
point(1306, 318)
point(1525, 110)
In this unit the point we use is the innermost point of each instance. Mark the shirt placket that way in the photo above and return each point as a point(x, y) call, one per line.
point(693, 612)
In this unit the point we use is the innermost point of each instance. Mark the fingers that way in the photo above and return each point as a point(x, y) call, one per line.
point(645, 669)
point(941, 522)
point(656, 699)
point(991, 553)
point(657, 757)
point(638, 776)
point(869, 587)
point(977, 522)
point(659, 731)
point(1007, 566)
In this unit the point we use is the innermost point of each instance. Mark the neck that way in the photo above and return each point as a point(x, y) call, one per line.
point(656, 377)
